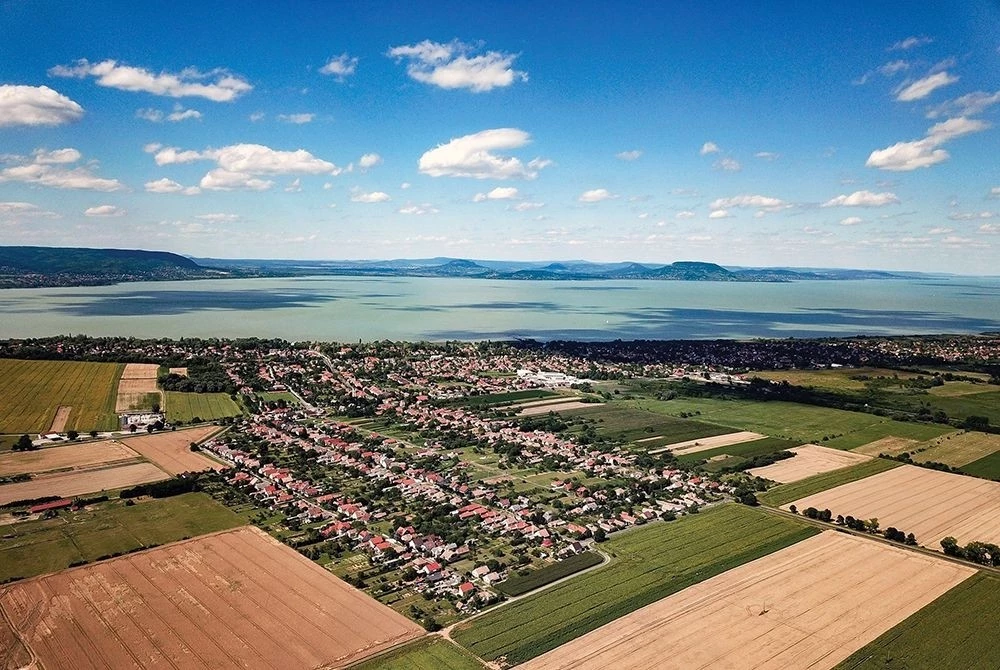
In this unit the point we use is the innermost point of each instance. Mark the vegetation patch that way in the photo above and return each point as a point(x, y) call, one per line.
point(769, 445)
point(432, 653)
point(987, 467)
point(630, 424)
point(519, 584)
point(479, 401)
point(195, 407)
point(957, 449)
point(787, 493)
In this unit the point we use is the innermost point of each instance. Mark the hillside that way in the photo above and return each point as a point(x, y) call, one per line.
point(71, 266)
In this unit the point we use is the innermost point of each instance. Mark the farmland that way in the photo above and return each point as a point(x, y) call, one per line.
point(928, 503)
point(172, 450)
point(78, 482)
point(48, 545)
point(958, 449)
point(65, 457)
point(517, 584)
point(649, 564)
point(809, 460)
point(433, 653)
point(190, 407)
point(705, 443)
point(808, 605)
point(742, 450)
point(163, 606)
point(987, 467)
point(958, 630)
point(137, 388)
point(629, 424)
point(32, 391)
point(786, 493)
point(480, 401)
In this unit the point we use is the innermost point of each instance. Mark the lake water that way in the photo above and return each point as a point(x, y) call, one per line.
point(416, 308)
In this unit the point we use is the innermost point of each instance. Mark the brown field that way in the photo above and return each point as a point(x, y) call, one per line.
point(560, 406)
point(705, 443)
point(893, 446)
point(957, 449)
point(69, 456)
point(60, 420)
point(809, 460)
point(79, 482)
point(183, 372)
point(928, 503)
point(235, 599)
point(137, 380)
point(808, 606)
point(172, 452)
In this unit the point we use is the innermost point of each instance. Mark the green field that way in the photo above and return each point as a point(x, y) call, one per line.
point(648, 564)
point(271, 396)
point(429, 653)
point(920, 432)
point(628, 424)
point(958, 630)
point(987, 467)
point(205, 406)
point(516, 585)
point(48, 545)
point(786, 493)
point(768, 445)
point(31, 391)
point(506, 398)
point(835, 379)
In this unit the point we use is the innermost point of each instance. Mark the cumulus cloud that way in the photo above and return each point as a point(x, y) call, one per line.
point(499, 193)
point(473, 156)
point(596, 195)
point(372, 197)
point(728, 165)
point(969, 104)
point(719, 214)
point(910, 43)
point(369, 161)
point(25, 209)
point(851, 221)
point(863, 199)
point(257, 116)
point(165, 185)
point(51, 169)
point(340, 67)
point(225, 180)
point(56, 156)
point(157, 116)
point(149, 114)
point(418, 210)
point(684, 214)
point(104, 210)
point(35, 106)
point(297, 119)
point(906, 156)
point(216, 85)
point(921, 88)
point(457, 65)
point(633, 155)
point(761, 202)
point(709, 148)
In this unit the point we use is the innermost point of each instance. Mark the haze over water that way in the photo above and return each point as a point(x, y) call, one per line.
point(416, 308)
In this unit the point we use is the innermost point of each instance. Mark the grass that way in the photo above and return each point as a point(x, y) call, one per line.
point(959, 448)
point(649, 564)
point(786, 493)
point(517, 584)
point(836, 379)
point(272, 396)
point(987, 467)
point(505, 398)
point(921, 432)
point(205, 406)
point(629, 424)
point(958, 630)
point(32, 391)
point(48, 545)
point(429, 653)
point(768, 445)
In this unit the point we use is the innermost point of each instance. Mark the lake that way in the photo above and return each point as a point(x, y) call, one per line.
point(417, 308)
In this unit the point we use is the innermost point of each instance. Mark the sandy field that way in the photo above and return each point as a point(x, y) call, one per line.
point(78, 482)
point(69, 456)
point(705, 443)
point(928, 503)
point(171, 450)
point(137, 380)
point(236, 599)
point(809, 460)
point(557, 407)
point(808, 606)
point(60, 420)
point(957, 449)
point(894, 446)
point(183, 372)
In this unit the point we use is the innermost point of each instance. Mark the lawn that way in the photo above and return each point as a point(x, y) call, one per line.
point(786, 493)
point(48, 545)
point(958, 630)
point(189, 407)
point(430, 653)
point(517, 584)
point(273, 396)
point(629, 424)
point(768, 445)
point(32, 391)
point(479, 401)
point(648, 564)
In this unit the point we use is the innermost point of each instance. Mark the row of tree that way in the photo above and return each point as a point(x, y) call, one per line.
point(865, 526)
point(984, 553)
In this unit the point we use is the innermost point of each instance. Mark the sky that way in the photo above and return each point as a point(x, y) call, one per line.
point(853, 134)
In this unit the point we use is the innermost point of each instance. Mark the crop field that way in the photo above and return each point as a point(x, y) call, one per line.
point(562, 406)
point(958, 630)
point(271, 396)
point(137, 387)
point(187, 407)
point(48, 545)
point(983, 404)
point(79, 482)
point(172, 450)
point(892, 446)
point(957, 449)
point(32, 391)
point(928, 503)
point(786, 493)
point(809, 460)
point(953, 389)
point(804, 607)
point(987, 467)
point(649, 564)
point(705, 443)
point(161, 608)
point(743, 450)
point(65, 457)
point(516, 585)
point(432, 653)
point(836, 379)
point(630, 424)
point(493, 399)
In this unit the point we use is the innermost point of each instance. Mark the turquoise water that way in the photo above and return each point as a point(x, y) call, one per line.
point(415, 308)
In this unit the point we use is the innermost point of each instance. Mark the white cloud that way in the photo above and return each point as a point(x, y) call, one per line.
point(851, 221)
point(921, 88)
point(632, 155)
point(181, 114)
point(224, 180)
point(685, 214)
point(940, 231)
point(50, 168)
point(25, 209)
point(719, 214)
point(257, 116)
point(165, 185)
point(767, 155)
point(906, 156)
point(709, 148)
point(893, 67)
point(863, 199)
point(419, 210)
point(995, 192)
point(989, 228)
point(55, 157)
point(217, 85)
point(218, 217)
point(910, 43)
point(149, 114)
point(297, 119)
point(405, 185)
point(761, 202)
point(527, 206)
point(969, 104)
point(373, 197)
point(596, 195)
point(340, 67)
point(453, 65)
point(369, 161)
point(295, 186)
point(499, 193)
point(240, 165)
point(971, 216)
point(728, 165)
point(472, 156)
point(104, 210)
point(35, 106)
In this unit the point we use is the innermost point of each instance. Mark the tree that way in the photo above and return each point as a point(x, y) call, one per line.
point(72, 435)
point(975, 422)
point(950, 547)
point(600, 535)
point(93, 433)
point(793, 509)
point(23, 444)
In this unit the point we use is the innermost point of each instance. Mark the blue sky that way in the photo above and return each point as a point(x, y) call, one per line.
point(857, 135)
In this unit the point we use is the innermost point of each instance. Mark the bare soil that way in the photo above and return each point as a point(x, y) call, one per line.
point(69, 456)
point(60, 420)
point(705, 443)
point(172, 450)
point(79, 482)
point(809, 460)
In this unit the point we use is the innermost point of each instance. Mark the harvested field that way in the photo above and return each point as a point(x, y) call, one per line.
point(70, 456)
point(172, 450)
point(958, 449)
point(703, 443)
point(556, 407)
point(786, 493)
point(236, 599)
point(808, 606)
point(183, 372)
point(140, 371)
point(137, 382)
point(809, 460)
point(893, 446)
point(60, 420)
point(928, 503)
point(78, 482)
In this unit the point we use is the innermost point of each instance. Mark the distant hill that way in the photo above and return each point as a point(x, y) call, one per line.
point(73, 266)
